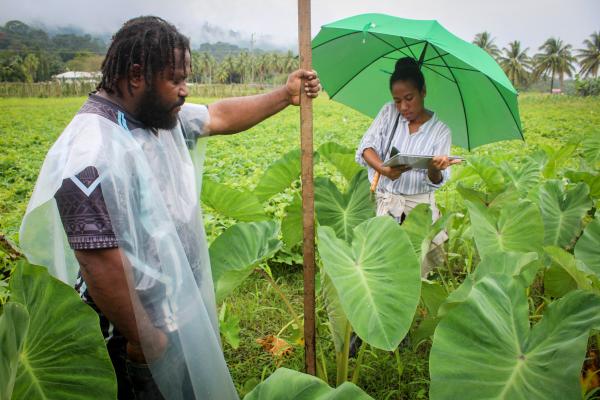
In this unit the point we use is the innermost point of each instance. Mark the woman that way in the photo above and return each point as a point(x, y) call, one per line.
point(407, 125)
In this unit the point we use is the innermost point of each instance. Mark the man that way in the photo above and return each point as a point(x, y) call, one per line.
point(121, 183)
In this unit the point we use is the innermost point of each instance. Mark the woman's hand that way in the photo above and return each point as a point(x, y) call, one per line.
point(394, 173)
point(437, 165)
point(440, 163)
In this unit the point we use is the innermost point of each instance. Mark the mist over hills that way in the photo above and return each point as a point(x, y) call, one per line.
point(203, 37)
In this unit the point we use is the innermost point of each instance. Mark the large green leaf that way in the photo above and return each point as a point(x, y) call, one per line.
point(421, 230)
point(329, 148)
point(522, 176)
point(377, 278)
point(238, 204)
point(557, 157)
point(591, 149)
point(484, 347)
point(229, 326)
point(279, 175)
point(557, 282)
point(64, 355)
point(562, 211)
point(592, 180)
point(566, 273)
point(587, 248)
point(521, 267)
point(488, 171)
point(335, 312)
point(287, 384)
point(14, 323)
point(433, 296)
point(235, 253)
point(346, 164)
point(342, 159)
point(291, 224)
point(514, 227)
point(343, 211)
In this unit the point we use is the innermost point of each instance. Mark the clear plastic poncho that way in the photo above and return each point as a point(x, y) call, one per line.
point(151, 188)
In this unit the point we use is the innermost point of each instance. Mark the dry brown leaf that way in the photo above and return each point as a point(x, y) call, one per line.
point(277, 347)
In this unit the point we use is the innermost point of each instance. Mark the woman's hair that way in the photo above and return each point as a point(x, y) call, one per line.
point(147, 41)
point(407, 70)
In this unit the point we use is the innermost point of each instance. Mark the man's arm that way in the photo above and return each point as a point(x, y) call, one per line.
point(240, 113)
point(108, 280)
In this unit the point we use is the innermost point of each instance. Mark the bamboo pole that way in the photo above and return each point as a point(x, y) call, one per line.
point(308, 195)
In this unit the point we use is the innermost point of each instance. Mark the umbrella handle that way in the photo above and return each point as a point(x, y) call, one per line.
point(375, 182)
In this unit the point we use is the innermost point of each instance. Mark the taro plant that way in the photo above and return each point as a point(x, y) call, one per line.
point(375, 284)
point(51, 343)
point(538, 241)
point(289, 384)
point(238, 251)
point(484, 346)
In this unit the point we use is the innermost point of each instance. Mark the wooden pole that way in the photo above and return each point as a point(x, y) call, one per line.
point(308, 193)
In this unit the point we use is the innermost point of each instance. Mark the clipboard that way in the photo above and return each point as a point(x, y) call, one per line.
point(413, 160)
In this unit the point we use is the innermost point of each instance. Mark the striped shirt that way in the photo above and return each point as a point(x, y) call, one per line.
point(432, 138)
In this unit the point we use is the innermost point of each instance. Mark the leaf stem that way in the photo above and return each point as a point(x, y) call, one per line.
point(359, 361)
point(342, 362)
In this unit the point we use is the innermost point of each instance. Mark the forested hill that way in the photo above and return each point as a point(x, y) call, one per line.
point(31, 54)
point(18, 36)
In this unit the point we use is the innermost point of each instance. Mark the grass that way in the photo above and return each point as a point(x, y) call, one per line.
point(28, 127)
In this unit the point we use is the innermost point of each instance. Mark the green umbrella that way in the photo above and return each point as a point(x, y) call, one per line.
point(465, 86)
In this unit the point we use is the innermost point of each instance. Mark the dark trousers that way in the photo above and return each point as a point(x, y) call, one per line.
point(135, 381)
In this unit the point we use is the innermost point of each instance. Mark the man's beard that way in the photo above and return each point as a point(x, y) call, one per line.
point(154, 113)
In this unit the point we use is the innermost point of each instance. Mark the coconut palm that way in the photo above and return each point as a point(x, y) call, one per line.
point(556, 59)
point(516, 63)
point(486, 42)
point(589, 58)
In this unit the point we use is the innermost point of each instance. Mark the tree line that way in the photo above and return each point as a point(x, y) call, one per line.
point(31, 55)
point(555, 59)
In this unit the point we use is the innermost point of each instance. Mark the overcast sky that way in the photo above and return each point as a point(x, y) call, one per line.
point(275, 21)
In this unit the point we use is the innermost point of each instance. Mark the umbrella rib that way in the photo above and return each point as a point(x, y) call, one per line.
point(371, 63)
point(436, 57)
point(507, 106)
point(406, 45)
point(335, 38)
point(447, 66)
point(462, 100)
point(443, 76)
point(432, 70)
point(354, 76)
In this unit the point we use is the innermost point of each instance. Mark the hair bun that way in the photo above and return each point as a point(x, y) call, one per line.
point(407, 69)
point(406, 63)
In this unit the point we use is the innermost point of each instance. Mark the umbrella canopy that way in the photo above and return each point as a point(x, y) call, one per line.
point(465, 86)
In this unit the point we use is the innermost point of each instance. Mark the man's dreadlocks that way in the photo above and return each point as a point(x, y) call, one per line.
point(147, 41)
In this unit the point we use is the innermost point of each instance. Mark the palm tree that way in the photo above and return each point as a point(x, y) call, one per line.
point(516, 63)
point(208, 65)
point(589, 58)
point(486, 42)
point(29, 67)
point(555, 59)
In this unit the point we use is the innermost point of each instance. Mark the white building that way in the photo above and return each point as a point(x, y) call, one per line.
point(78, 76)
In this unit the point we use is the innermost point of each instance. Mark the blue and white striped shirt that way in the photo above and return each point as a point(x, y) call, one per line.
point(432, 138)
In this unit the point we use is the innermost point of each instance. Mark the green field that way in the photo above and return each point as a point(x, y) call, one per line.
point(28, 127)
